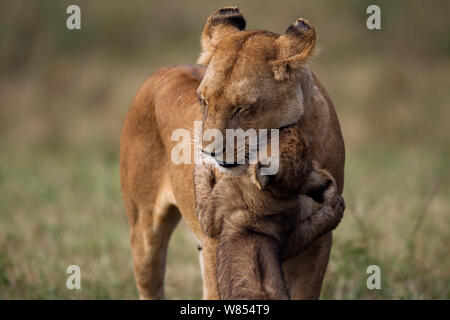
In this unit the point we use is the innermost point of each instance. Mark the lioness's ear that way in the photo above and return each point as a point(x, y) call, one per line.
point(294, 47)
point(222, 22)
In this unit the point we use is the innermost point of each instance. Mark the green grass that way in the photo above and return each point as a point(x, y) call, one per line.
point(397, 218)
point(64, 208)
point(65, 96)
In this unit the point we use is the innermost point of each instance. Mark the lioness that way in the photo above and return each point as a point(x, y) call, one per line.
point(247, 79)
point(261, 220)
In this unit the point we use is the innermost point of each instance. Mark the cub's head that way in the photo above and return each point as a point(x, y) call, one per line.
point(295, 165)
point(254, 79)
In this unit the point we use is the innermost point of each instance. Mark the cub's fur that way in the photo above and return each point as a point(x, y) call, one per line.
point(262, 220)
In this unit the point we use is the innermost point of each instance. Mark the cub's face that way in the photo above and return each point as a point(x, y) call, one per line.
point(295, 165)
point(254, 79)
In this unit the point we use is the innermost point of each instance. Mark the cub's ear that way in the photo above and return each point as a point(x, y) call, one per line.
point(222, 22)
point(293, 47)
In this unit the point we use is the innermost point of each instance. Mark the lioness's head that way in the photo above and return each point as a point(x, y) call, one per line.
point(254, 79)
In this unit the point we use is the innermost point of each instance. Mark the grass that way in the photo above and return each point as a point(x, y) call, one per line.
point(68, 211)
point(65, 95)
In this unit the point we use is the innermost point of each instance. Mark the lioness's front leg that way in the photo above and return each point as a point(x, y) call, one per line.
point(208, 256)
point(304, 273)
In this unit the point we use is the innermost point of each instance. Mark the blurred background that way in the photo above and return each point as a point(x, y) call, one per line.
point(64, 95)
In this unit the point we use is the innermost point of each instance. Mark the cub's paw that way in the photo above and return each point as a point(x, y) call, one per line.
point(321, 185)
point(337, 204)
point(333, 212)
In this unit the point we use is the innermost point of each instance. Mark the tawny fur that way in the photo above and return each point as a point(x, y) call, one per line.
point(155, 190)
point(259, 226)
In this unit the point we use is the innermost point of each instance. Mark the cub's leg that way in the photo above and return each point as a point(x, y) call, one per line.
point(248, 266)
point(206, 200)
point(318, 223)
point(211, 223)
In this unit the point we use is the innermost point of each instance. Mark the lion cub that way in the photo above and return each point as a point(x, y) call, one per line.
point(264, 220)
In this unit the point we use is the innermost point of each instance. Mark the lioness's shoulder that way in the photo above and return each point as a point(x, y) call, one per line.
point(170, 80)
point(184, 72)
